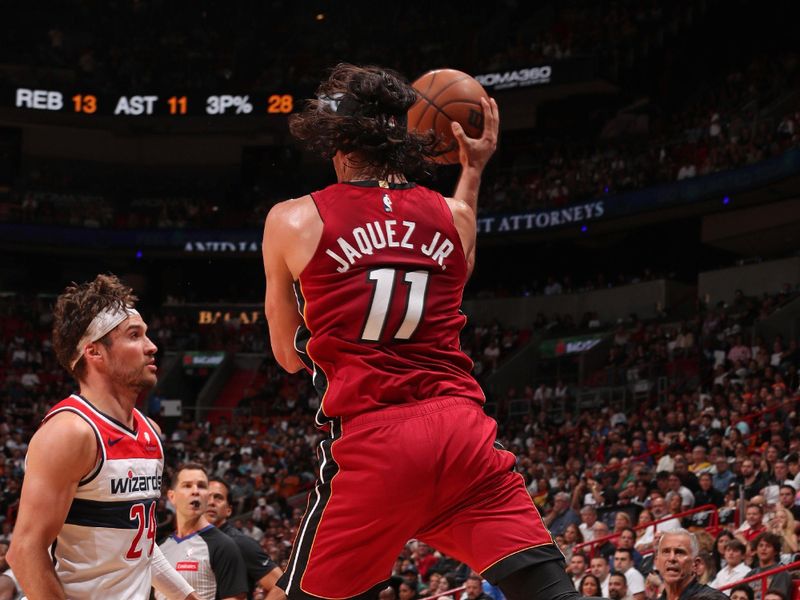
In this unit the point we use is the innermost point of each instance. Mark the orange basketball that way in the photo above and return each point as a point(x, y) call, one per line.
point(443, 96)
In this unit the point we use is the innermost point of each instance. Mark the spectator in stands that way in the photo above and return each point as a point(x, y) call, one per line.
point(588, 519)
point(700, 462)
point(718, 551)
point(623, 563)
point(753, 525)
point(723, 476)
point(783, 525)
point(767, 547)
point(707, 493)
point(653, 586)
point(607, 548)
point(675, 558)
point(667, 462)
point(735, 568)
point(787, 495)
point(674, 503)
point(704, 566)
point(601, 569)
point(741, 592)
point(561, 514)
point(688, 479)
point(627, 540)
point(589, 586)
point(618, 586)
point(739, 351)
point(473, 589)
point(577, 568)
point(407, 591)
point(622, 520)
point(676, 487)
point(752, 480)
point(572, 536)
point(659, 510)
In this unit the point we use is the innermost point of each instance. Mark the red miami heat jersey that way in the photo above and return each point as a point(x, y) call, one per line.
point(105, 546)
point(381, 300)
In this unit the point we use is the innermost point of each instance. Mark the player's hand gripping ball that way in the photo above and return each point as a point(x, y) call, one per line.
point(444, 96)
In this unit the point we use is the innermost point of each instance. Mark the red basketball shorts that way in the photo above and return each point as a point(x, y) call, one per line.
point(427, 471)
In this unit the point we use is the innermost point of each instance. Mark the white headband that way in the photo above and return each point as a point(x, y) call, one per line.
point(103, 322)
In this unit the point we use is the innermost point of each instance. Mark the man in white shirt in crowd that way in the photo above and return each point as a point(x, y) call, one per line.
point(588, 519)
point(658, 507)
point(735, 569)
point(600, 569)
point(577, 568)
point(623, 562)
point(677, 487)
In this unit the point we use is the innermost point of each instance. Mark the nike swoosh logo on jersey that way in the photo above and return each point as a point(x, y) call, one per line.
point(112, 442)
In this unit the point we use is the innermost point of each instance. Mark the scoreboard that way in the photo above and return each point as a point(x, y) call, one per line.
point(84, 102)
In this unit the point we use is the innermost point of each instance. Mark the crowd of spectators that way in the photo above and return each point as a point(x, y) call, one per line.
point(725, 127)
point(729, 441)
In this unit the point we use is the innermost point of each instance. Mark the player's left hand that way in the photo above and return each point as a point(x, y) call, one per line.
point(476, 152)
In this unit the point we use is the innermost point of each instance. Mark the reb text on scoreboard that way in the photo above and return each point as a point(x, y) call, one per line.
point(137, 105)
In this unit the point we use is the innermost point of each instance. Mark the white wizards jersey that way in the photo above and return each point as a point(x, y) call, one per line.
point(106, 543)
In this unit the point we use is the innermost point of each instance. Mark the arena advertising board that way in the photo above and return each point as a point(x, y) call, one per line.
point(543, 219)
point(556, 72)
point(570, 345)
point(193, 360)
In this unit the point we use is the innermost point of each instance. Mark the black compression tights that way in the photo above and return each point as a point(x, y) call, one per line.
point(543, 581)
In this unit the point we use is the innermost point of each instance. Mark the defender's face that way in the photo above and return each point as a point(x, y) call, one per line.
point(130, 359)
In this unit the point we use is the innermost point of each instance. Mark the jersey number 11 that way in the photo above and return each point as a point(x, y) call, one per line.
point(383, 281)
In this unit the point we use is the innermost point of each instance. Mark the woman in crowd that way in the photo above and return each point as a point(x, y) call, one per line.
point(406, 591)
point(572, 537)
point(718, 552)
point(704, 567)
point(783, 524)
point(589, 586)
point(622, 520)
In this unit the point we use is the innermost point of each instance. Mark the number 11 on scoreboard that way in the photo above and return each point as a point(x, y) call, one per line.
point(177, 105)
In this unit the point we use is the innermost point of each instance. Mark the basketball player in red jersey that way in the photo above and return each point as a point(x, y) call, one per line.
point(376, 266)
point(86, 523)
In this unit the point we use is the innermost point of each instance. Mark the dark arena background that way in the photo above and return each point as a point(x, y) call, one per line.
point(634, 311)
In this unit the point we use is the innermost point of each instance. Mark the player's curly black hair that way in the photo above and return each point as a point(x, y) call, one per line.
point(75, 309)
point(362, 110)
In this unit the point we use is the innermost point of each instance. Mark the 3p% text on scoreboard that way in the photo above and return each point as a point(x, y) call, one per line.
point(153, 104)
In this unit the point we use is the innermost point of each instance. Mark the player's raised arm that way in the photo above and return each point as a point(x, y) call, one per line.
point(61, 453)
point(473, 154)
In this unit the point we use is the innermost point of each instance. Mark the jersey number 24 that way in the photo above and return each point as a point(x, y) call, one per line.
point(144, 520)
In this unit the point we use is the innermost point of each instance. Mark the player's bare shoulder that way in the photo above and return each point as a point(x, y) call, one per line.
point(292, 232)
point(64, 440)
point(294, 215)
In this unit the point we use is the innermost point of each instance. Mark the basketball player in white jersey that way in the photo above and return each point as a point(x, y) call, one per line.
point(86, 525)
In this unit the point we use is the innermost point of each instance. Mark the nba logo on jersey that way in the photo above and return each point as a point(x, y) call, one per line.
point(387, 203)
